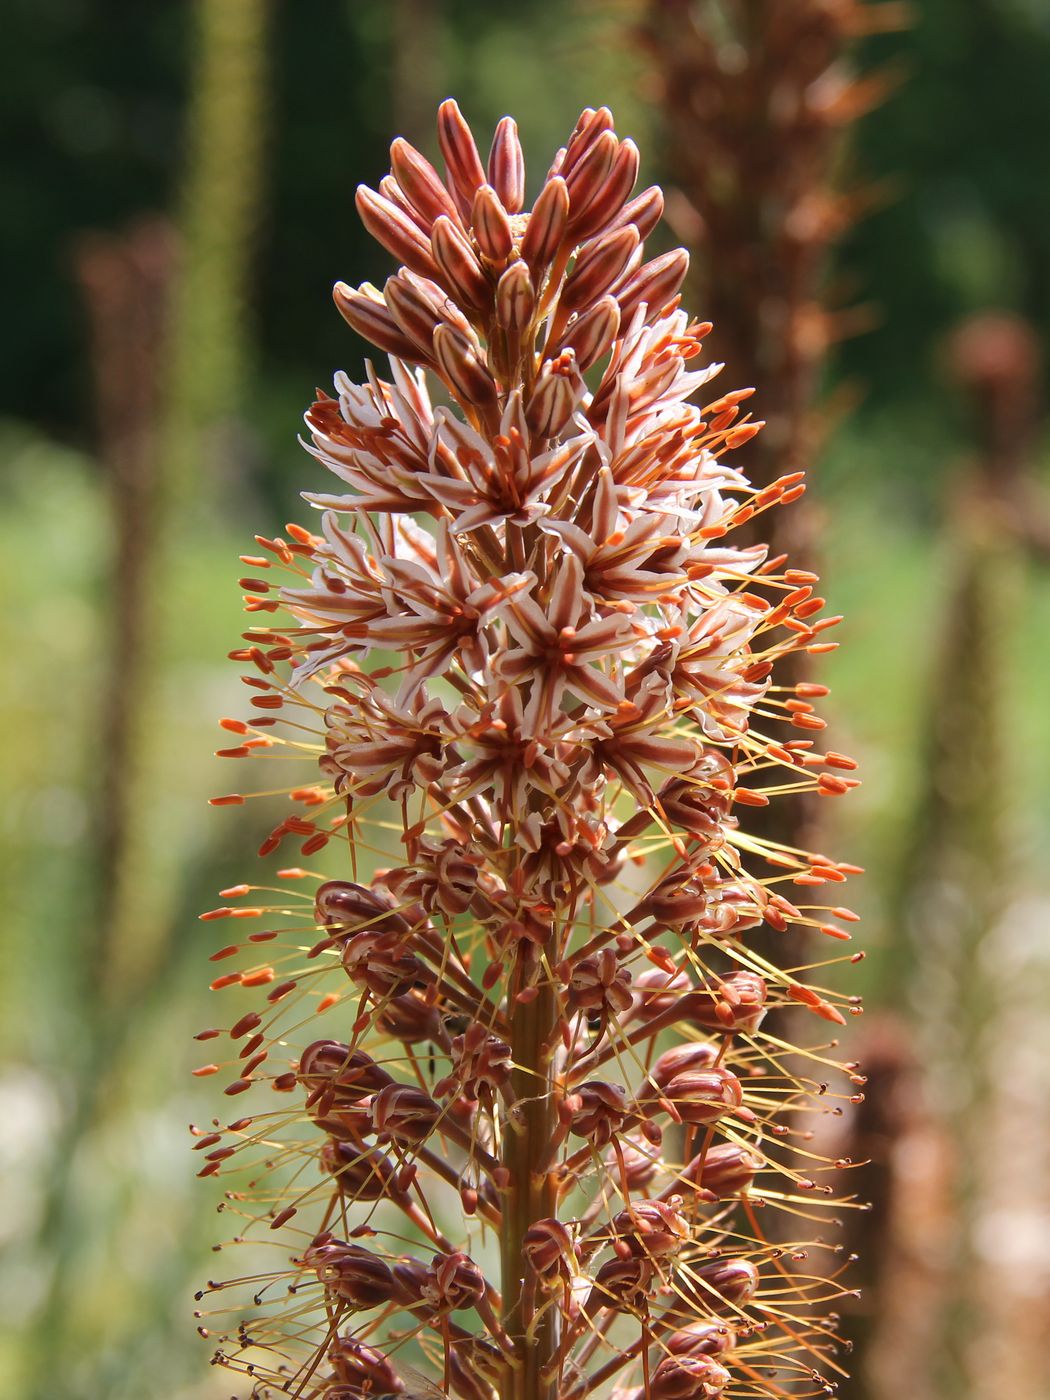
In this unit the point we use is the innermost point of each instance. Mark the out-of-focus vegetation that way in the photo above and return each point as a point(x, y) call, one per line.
point(106, 1232)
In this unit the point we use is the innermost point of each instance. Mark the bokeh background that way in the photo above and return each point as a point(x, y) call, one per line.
point(867, 191)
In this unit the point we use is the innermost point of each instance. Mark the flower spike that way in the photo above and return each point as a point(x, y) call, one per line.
point(521, 1105)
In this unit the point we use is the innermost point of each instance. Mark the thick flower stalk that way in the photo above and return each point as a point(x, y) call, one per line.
point(529, 1147)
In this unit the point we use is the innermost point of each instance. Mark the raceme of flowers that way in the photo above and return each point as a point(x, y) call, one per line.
point(518, 1119)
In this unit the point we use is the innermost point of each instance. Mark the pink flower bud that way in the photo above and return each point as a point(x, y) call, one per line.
point(657, 284)
point(645, 212)
point(369, 317)
point(598, 266)
point(419, 307)
point(586, 176)
point(611, 195)
point(491, 226)
point(545, 229)
point(421, 183)
point(592, 334)
point(507, 166)
point(559, 388)
point(515, 297)
point(459, 266)
point(396, 231)
point(465, 172)
point(459, 365)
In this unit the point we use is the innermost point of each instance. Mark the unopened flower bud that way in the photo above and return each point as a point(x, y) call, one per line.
point(419, 306)
point(645, 212)
point(491, 225)
point(396, 231)
point(465, 171)
point(656, 283)
point(515, 297)
point(586, 176)
point(598, 266)
point(367, 314)
point(559, 388)
point(592, 334)
point(420, 182)
point(507, 166)
point(459, 365)
point(459, 266)
point(611, 195)
point(545, 229)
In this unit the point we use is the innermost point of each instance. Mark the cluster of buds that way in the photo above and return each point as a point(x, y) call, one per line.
point(535, 682)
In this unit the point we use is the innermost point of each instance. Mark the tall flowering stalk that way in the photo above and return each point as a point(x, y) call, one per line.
point(530, 1148)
